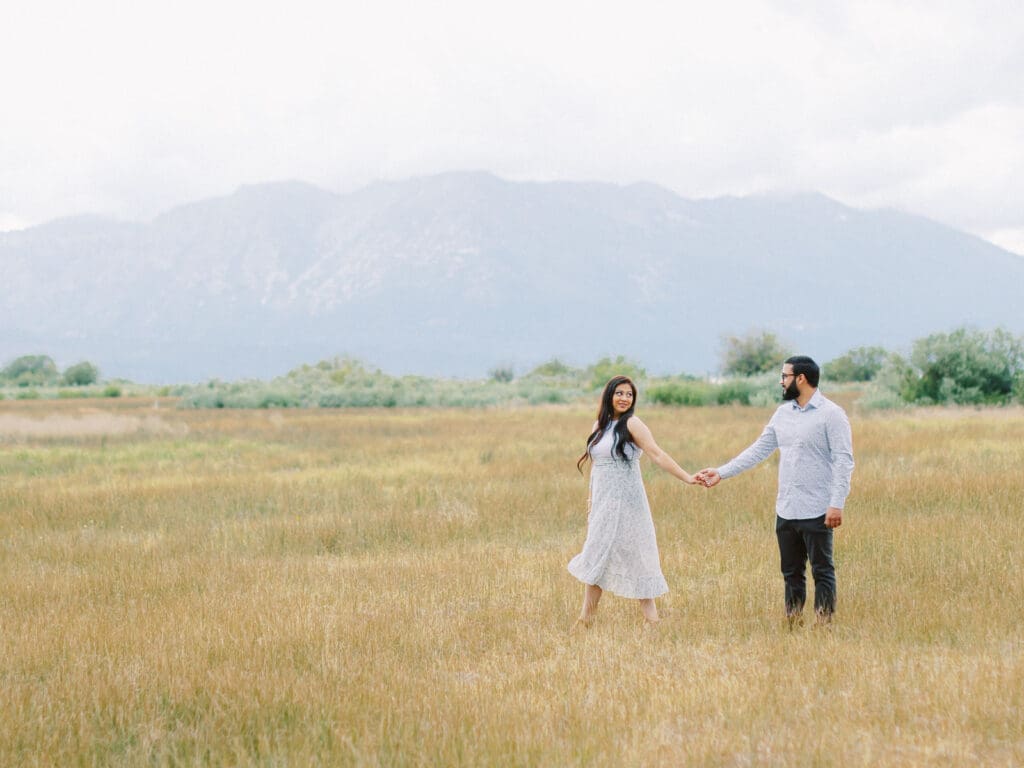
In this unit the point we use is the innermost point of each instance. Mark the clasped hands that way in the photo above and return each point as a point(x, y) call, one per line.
point(708, 477)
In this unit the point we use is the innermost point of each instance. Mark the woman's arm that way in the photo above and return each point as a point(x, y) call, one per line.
point(642, 437)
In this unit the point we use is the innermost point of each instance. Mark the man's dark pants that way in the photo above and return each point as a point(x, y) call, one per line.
point(800, 541)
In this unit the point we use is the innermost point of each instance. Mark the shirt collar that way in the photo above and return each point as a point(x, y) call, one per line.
point(814, 402)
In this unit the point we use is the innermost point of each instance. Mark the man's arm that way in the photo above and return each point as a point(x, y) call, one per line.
point(840, 443)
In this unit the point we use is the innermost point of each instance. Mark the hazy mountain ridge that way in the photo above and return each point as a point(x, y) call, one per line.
point(456, 273)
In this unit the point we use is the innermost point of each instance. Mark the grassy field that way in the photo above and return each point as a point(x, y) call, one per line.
point(388, 587)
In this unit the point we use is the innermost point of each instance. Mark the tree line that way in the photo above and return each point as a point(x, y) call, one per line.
point(42, 371)
point(964, 367)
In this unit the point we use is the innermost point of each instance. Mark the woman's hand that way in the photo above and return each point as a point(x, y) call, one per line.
point(709, 477)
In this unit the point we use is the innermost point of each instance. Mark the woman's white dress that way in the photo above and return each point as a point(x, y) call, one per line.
point(621, 552)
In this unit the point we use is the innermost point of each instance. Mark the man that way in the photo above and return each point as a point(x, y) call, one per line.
point(815, 463)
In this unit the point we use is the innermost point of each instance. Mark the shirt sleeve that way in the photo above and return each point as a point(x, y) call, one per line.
point(757, 452)
point(840, 443)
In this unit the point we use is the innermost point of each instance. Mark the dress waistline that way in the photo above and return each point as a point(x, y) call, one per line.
point(604, 461)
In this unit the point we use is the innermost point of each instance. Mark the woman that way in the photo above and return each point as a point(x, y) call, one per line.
point(621, 552)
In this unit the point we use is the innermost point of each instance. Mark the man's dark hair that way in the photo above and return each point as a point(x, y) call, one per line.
point(806, 366)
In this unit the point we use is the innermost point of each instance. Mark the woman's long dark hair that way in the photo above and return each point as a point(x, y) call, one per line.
point(605, 412)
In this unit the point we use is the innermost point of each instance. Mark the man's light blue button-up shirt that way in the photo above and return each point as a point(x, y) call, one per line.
point(815, 457)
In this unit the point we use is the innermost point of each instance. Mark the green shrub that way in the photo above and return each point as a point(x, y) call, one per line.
point(878, 398)
point(764, 398)
point(548, 396)
point(81, 375)
point(68, 394)
point(338, 370)
point(688, 393)
point(966, 367)
point(278, 399)
point(111, 390)
point(31, 371)
point(860, 364)
point(502, 374)
point(553, 368)
point(332, 400)
point(601, 372)
point(752, 354)
point(366, 398)
point(735, 391)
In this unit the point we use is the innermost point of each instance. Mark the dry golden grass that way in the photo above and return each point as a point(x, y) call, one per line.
point(389, 588)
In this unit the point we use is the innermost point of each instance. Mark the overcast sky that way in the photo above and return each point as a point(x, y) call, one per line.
point(129, 108)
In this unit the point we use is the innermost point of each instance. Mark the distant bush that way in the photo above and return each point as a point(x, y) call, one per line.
point(81, 375)
point(68, 394)
point(966, 367)
point(881, 399)
point(367, 398)
point(752, 354)
point(338, 369)
point(503, 374)
point(111, 390)
point(553, 368)
point(548, 396)
point(735, 391)
point(689, 393)
point(860, 364)
point(604, 369)
point(31, 371)
point(758, 390)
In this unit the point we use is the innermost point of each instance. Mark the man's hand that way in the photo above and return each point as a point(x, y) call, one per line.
point(709, 477)
point(833, 517)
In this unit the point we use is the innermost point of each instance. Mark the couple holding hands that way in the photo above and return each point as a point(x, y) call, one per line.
point(813, 437)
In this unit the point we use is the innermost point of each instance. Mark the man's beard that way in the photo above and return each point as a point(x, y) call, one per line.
point(791, 392)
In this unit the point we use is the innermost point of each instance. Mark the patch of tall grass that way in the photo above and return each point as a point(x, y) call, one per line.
point(387, 586)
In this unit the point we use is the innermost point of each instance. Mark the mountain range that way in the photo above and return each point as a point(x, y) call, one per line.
point(458, 273)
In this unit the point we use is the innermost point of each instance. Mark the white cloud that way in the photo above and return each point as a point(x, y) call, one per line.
point(1010, 239)
point(9, 222)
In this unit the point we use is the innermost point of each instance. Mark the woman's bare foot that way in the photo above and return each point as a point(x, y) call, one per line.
point(650, 611)
point(583, 623)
